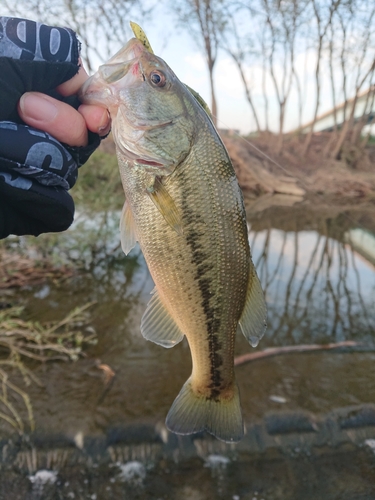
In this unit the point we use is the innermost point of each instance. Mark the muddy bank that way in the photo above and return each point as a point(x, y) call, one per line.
point(291, 173)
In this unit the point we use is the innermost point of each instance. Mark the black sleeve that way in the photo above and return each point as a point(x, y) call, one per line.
point(36, 171)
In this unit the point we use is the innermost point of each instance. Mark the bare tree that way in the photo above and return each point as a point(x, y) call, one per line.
point(323, 21)
point(361, 55)
point(206, 23)
point(264, 81)
point(240, 49)
point(273, 30)
point(101, 25)
point(349, 123)
point(283, 21)
point(272, 37)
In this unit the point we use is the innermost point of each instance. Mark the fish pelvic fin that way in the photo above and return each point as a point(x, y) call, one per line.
point(157, 325)
point(221, 416)
point(127, 229)
point(253, 319)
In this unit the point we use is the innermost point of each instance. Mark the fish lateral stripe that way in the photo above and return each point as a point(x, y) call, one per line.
point(203, 267)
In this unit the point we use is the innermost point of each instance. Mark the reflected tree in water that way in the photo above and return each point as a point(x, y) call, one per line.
point(318, 289)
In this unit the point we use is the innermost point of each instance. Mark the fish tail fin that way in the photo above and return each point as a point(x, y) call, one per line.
point(220, 416)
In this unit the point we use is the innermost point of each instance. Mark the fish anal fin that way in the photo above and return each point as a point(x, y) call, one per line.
point(166, 205)
point(158, 326)
point(253, 319)
point(127, 229)
point(191, 413)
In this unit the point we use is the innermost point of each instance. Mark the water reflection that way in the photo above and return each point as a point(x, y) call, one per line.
point(318, 289)
point(317, 272)
point(319, 282)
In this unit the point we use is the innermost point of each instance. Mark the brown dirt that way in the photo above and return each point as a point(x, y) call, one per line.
point(351, 177)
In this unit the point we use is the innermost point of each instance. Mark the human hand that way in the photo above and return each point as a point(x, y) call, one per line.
point(62, 121)
point(40, 75)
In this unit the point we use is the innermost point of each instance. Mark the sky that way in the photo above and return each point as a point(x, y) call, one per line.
point(180, 52)
point(178, 49)
point(182, 55)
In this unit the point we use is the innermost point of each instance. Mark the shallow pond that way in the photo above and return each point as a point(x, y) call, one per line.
point(310, 416)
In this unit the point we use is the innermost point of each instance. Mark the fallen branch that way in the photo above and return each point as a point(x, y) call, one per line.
point(275, 351)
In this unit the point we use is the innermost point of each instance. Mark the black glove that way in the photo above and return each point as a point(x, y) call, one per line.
point(36, 170)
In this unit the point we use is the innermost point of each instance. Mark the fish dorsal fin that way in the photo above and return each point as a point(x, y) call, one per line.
point(200, 100)
point(253, 320)
point(158, 325)
point(166, 205)
point(127, 229)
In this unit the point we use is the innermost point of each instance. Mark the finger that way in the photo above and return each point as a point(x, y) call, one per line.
point(57, 118)
point(74, 84)
point(96, 118)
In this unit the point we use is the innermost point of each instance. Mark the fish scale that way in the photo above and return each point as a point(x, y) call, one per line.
point(180, 278)
point(184, 206)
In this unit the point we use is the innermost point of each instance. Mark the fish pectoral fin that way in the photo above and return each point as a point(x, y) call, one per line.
point(253, 319)
point(166, 206)
point(127, 229)
point(158, 325)
point(220, 416)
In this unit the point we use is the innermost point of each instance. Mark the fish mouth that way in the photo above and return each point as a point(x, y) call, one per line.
point(124, 70)
point(133, 49)
point(101, 87)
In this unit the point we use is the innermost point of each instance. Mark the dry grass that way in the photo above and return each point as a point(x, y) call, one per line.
point(21, 340)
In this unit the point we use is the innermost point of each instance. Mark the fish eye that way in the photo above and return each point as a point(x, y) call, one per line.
point(158, 78)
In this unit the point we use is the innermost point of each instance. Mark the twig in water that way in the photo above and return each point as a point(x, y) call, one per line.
point(275, 351)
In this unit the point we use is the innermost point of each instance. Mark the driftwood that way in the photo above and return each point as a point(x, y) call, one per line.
point(253, 176)
point(276, 351)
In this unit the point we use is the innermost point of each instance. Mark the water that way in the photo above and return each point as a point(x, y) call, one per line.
point(310, 417)
point(317, 288)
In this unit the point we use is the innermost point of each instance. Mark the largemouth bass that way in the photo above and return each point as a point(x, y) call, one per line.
point(185, 208)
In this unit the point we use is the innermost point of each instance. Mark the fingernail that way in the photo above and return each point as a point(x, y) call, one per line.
point(38, 108)
point(105, 124)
